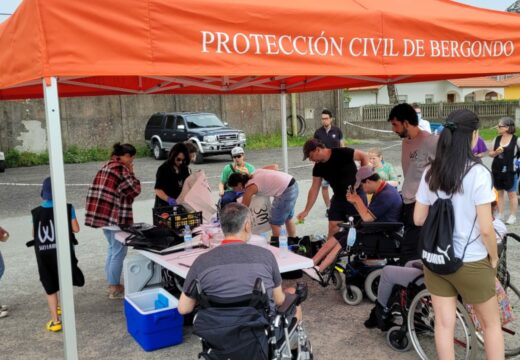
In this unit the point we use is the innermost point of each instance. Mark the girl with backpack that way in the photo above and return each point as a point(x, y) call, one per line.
point(458, 174)
point(505, 151)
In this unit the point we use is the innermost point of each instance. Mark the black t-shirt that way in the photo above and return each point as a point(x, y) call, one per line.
point(169, 181)
point(340, 170)
point(331, 139)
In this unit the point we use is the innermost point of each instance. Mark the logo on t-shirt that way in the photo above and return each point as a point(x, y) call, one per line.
point(414, 155)
point(46, 234)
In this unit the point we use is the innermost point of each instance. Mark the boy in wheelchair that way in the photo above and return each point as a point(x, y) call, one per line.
point(222, 280)
point(385, 207)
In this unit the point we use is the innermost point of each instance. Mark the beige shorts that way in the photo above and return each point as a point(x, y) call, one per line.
point(474, 281)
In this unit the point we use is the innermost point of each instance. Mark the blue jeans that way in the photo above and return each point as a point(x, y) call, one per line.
point(115, 256)
point(2, 266)
point(282, 208)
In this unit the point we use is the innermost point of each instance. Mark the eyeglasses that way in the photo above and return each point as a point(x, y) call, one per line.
point(325, 118)
point(502, 126)
point(237, 156)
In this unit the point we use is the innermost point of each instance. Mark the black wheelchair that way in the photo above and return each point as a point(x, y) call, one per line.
point(357, 268)
point(243, 327)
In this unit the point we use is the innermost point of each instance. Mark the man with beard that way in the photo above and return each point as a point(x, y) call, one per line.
point(418, 150)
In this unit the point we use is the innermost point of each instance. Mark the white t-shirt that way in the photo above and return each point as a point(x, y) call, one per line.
point(477, 187)
point(425, 125)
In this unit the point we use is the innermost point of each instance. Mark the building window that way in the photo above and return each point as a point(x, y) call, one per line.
point(403, 98)
point(428, 98)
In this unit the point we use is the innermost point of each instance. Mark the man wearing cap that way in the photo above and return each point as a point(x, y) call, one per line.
point(385, 206)
point(332, 137)
point(418, 151)
point(386, 203)
point(239, 165)
point(338, 167)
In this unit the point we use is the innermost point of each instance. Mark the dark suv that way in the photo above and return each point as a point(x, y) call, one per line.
point(205, 130)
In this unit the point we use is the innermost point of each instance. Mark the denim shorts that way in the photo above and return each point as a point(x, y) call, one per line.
point(282, 208)
point(514, 188)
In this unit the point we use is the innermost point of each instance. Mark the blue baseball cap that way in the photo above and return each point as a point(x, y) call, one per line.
point(46, 189)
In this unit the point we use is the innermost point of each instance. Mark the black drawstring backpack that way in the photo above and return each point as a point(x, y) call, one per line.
point(436, 238)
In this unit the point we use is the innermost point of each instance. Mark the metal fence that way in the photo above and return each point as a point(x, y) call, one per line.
point(370, 121)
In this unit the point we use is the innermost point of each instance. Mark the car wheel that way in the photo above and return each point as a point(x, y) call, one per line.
point(2, 166)
point(199, 159)
point(158, 153)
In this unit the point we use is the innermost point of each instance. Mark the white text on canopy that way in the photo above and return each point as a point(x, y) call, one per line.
point(302, 45)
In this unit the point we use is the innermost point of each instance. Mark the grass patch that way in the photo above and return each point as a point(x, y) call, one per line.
point(72, 155)
point(488, 134)
point(260, 141)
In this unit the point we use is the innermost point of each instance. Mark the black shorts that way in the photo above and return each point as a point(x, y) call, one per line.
point(48, 270)
point(341, 209)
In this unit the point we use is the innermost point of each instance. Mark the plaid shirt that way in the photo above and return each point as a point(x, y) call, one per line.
point(110, 197)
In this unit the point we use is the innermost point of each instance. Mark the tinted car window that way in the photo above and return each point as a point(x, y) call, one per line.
point(170, 120)
point(179, 122)
point(203, 120)
point(155, 121)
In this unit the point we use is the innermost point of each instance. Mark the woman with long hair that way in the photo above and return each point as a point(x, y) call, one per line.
point(109, 202)
point(171, 175)
point(457, 173)
point(506, 149)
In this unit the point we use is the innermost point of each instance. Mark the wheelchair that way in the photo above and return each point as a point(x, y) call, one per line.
point(243, 327)
point(412, 314)
point(357, 269)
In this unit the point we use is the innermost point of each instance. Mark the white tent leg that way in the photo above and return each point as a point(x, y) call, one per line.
point(52, 114)
point(283, 110)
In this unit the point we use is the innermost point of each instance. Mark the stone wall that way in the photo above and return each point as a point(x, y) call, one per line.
point(101, 121)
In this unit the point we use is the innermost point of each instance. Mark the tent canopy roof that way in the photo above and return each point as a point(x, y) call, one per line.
point(102, 47)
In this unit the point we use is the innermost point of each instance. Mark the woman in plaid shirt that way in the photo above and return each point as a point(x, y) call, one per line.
point(109, 202)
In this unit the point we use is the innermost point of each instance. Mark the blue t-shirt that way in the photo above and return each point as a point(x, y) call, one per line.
point(49, 204)
point(386, 205)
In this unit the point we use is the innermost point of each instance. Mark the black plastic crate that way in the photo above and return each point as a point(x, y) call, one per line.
point(176, 217)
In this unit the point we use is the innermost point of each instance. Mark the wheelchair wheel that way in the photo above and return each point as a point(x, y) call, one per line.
point(337, 280)
point(421, 323)
point(352, 295)
point(398, 339)
point(372, 283)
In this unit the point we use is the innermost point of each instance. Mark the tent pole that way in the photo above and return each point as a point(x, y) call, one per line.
point(283, 110)
point(52, 114)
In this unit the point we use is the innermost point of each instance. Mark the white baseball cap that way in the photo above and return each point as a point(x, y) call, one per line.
point(237, 151)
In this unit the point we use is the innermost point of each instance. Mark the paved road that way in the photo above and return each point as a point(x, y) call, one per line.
point(20, 187)
point(335, 329)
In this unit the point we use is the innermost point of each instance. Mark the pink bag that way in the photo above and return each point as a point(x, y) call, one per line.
point(506, 313)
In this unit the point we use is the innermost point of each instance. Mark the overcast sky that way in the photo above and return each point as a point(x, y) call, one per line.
point(9, 6)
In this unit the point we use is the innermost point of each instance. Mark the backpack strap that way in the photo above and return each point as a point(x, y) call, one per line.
point(469, 237)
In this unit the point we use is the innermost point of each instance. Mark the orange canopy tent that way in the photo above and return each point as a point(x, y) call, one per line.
point(246, 46)
point(100, 47)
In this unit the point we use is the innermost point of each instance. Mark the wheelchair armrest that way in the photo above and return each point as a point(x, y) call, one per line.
point(289, 302)
point(375, 227)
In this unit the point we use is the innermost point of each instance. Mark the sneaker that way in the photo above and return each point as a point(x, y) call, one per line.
point(511, 220)
point(4, 307)
point(54, 326)
point(116, 295)
point(314, 273)
point(3, 313)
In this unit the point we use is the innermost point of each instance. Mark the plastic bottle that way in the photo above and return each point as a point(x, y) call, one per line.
point(352, 233)
point(188, 239)
point(267, 238)
point(284, 245)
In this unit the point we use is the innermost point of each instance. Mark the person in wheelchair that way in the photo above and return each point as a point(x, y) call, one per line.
point(385, 206)
point(392, 275)
point(230, 270)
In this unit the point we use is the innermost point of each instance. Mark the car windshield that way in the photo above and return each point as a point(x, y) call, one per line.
point(203, 121)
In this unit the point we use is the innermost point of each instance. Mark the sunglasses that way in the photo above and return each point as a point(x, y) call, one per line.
point(179, 160)
point(237, 156)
